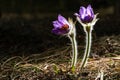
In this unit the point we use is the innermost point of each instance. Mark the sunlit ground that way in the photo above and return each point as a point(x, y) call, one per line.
point(54, 63)
point(29, 51)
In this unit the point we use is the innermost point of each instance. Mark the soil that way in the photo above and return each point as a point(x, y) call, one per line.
point(29, 51)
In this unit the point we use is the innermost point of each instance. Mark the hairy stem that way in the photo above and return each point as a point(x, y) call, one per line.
point(74, 50)
point(88, 47)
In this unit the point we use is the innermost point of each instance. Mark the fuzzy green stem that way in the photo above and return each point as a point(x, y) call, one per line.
point(74, 50)
point(88, 47)
point(74, 46)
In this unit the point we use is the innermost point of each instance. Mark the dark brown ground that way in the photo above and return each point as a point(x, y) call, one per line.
point(29, 51)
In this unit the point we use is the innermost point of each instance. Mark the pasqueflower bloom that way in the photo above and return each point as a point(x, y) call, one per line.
point(64, 27)
point(87, 19)
point(86, 16)
point(61, 26)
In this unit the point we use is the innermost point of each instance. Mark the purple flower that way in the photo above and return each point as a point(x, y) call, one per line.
point(86, 15)
point(61, 26)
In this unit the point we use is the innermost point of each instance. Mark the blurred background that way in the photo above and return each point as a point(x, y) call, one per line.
point(25, 25)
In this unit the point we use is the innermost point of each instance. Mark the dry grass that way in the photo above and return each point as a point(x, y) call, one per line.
point(54, 64)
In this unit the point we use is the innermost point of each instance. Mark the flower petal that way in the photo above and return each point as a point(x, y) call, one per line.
point(82, 12)
point(62, 20)
point(90, 11)
point(79, 20)
point(55, 31)
point(61, 26)
point(56, 24)
point(58, 31)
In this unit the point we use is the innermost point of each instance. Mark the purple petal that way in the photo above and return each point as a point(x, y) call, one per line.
point(61, 26)
point(87, 19)
point(55, 31)
point(82, 12)
point(90, 11)
point(59, 31)
point(56, 24)
point(62, 19)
